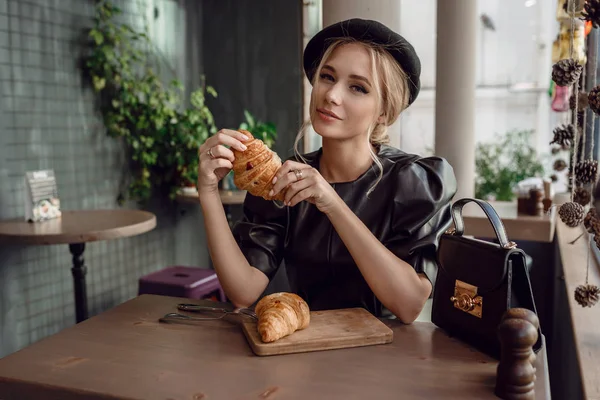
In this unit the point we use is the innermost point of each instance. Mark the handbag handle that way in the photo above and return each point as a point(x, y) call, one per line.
point(459, 225)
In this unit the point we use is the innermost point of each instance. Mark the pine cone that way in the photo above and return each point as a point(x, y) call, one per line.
point(590, 218)
point(594, 99)
point(563, 135)
point(591, 222)
point(587, 295)
point(582, 196)
point(571, 214)
point(554, 178)
point(586, 171)
point(560, 165)
point(566, 72)
point(555, 150)
point(583, 101)
point(591, 12)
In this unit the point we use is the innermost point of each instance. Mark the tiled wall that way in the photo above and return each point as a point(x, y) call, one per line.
point(48, 120)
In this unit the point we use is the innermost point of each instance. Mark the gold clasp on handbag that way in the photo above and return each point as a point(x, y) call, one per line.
point(465, 298)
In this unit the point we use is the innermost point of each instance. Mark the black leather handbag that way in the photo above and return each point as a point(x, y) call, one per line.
point(477, 281)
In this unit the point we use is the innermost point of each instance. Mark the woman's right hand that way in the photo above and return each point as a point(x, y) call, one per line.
point(216, 158)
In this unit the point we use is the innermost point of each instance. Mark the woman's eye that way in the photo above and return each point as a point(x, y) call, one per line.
point(327, 77)
point(359, 89)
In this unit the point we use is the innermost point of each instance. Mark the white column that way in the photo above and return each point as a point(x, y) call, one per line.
point(455, 89)
point(385, 11)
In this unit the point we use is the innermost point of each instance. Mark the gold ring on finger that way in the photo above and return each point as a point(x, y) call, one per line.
point(298, 173)
point(210, 153)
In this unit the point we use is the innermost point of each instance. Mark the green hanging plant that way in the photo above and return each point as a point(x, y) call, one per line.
point(161, 135)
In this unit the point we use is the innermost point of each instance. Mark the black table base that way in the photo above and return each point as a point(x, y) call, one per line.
point(79, 270)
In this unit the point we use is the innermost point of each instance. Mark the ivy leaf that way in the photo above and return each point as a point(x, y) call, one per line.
point(210, 90)
point(99, 83)
point(97, 36)
point(249, 118)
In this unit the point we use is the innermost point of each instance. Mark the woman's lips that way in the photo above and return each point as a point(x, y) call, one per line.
point(327, 115)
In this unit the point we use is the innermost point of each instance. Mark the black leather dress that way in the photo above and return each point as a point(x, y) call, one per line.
point(408, 211)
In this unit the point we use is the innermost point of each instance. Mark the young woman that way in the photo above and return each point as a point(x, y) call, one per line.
point(360, 222)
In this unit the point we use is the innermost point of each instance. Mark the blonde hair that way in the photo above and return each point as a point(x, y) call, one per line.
point(390, 84)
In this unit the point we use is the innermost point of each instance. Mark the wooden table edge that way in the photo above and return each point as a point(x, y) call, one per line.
point(27, 388)
point(87, 237)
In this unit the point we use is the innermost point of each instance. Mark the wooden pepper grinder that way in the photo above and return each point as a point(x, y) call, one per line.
point(535, 202)
point(528, 315)
point(515, 376)
point(547, 200)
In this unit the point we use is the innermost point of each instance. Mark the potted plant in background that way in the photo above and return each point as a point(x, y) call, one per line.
point(162, 136)
point(265, 131)
point(503, 163)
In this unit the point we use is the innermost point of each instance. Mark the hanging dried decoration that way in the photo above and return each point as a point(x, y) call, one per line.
point(566, 72)
point(582, 196)
point(554, 178)
point(571, 214)
point(583, 101)
point(591, 12)
point(563, 135)
point(587, 295)
point(594, 99)
point(591, 222)
point(586, 171)
point(559, 165)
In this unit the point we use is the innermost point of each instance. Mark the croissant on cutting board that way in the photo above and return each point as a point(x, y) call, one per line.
point(254, 168)
point(281, 314)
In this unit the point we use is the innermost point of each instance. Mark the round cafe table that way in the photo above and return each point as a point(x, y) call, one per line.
point(76, 228)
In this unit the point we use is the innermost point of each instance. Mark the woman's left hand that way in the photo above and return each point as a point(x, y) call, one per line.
point(303, 182)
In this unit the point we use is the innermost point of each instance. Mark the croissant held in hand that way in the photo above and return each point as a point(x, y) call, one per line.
point(281, 314)
point(255, 168)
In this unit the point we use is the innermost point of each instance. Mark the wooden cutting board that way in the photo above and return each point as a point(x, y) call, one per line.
point(330, 329)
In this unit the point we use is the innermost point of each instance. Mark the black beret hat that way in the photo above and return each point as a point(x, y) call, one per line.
point(371, 32)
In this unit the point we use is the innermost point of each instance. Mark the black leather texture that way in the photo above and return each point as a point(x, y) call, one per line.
point(408, 211)
point(500, 275)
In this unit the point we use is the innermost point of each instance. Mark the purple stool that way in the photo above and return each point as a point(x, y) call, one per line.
point(180, 281)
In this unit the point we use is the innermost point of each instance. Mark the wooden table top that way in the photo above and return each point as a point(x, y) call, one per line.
point(125, 353)
point(518, 226)
point(78, 226)
point(585, 321)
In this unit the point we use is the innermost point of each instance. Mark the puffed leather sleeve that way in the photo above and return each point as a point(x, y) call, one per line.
point(421, 212)
point(261, 233)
